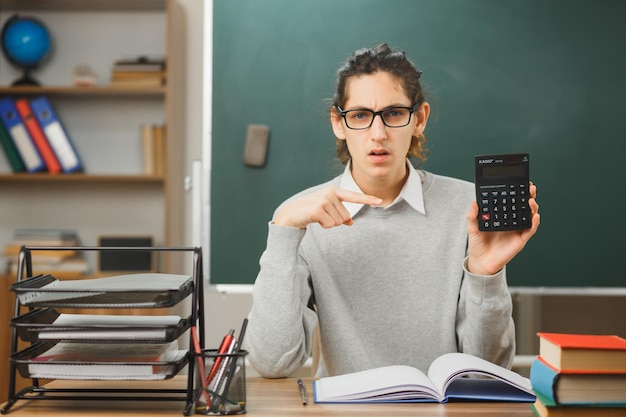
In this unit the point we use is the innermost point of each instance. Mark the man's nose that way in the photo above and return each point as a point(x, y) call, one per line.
point(378, 129)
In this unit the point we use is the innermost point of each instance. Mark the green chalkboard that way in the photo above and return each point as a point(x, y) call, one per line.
point(503, 76)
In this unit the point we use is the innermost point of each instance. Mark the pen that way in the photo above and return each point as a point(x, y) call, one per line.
point(226, 342)
point(221, 373)
point(242, 333)
point(233, 366)
point(302, 392)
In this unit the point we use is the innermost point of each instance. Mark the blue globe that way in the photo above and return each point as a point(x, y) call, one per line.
point(25, 41)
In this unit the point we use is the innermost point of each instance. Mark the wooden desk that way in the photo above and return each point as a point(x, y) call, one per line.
point(265, 397)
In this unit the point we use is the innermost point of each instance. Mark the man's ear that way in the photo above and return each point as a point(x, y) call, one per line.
point(421, 114)
point(336, 121)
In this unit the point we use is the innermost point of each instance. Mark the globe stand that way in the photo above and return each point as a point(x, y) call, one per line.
point(26, 79)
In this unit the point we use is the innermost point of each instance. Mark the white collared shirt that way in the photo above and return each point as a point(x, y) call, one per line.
point(411, 191)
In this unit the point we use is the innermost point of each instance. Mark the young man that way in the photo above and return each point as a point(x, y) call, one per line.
point(386, 259)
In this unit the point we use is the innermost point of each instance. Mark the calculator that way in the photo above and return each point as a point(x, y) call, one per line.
point(502, 192)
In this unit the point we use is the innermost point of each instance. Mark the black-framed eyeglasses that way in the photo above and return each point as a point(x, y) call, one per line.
point(360, 119)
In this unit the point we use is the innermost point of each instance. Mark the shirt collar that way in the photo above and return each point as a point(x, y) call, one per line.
point(411, 192)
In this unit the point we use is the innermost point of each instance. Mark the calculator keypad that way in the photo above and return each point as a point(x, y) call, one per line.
point(504, 207)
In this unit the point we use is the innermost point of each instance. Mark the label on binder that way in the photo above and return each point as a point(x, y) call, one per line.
point(61, 145)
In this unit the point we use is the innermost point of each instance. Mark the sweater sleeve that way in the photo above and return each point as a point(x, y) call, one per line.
point(484, 324)
point(280, 328)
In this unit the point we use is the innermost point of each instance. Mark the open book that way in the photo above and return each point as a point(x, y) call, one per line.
point(450, 376)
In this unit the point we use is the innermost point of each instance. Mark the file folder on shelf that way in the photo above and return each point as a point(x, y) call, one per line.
point(57, 136)
point(11, 152)
point(21, 139)
point(38, 137)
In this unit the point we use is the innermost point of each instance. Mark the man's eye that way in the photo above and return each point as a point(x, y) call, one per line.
point(359, 115)
point(395, 113)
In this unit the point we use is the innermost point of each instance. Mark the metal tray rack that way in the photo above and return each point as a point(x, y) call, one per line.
point(41, 315)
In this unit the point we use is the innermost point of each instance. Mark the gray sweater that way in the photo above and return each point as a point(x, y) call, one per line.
point(390, 289)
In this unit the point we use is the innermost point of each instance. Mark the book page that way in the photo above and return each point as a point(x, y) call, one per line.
point(389, 383)
point(448, 367)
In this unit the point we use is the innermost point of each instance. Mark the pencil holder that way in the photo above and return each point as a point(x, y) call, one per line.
point(220, 382)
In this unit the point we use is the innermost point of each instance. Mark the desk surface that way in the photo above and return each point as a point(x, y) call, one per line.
point(265, 397)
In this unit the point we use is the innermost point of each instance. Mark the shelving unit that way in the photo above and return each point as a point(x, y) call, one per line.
point(78, 178)
point(39, 317)
point(112, 195)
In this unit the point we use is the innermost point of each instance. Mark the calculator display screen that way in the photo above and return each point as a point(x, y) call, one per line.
point(503, 170)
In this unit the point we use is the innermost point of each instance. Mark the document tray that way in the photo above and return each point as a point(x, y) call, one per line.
point(121, 291)
point(42, 325)
point(91, 369)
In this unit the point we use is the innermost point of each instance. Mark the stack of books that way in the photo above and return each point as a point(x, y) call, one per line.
point(579, 375)
point(138, 72)
point(60, 262)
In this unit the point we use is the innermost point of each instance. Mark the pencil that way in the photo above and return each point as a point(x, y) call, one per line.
point(198, 350)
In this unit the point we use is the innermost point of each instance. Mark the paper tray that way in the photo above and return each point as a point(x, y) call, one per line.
point(151, 290)
point(93, 370)
point(39, 325)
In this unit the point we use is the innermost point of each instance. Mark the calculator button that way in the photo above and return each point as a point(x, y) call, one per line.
point(504, 207)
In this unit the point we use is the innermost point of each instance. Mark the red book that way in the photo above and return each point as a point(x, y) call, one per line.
point(583, 352)
point(39, 138)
